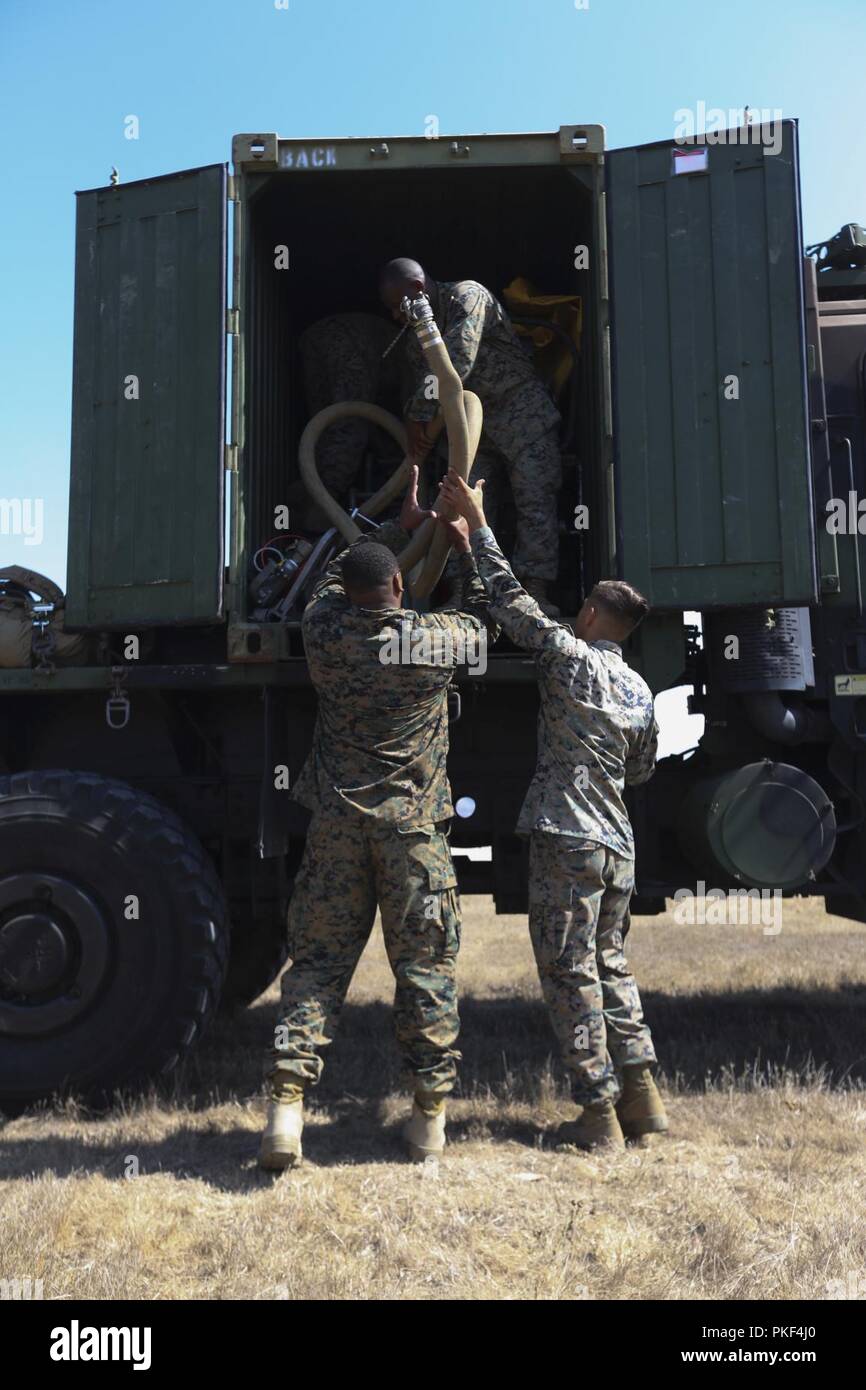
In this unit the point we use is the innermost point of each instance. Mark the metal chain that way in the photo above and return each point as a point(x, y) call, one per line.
point(43, 641)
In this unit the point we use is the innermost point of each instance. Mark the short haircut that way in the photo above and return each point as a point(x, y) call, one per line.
point(367, 567)
point(621, 602)
point(397, 272)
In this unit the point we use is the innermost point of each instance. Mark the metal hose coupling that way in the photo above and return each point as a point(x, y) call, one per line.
point(462, 416)
point(419, 313)
point(463, 428)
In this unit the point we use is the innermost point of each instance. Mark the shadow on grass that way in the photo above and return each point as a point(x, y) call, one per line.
point(508, 1052)
point(508, 1045)
point(226, 1159)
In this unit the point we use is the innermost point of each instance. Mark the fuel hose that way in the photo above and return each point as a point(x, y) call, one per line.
point(462, 415)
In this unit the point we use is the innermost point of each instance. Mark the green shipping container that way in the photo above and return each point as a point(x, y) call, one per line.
point(692, 294)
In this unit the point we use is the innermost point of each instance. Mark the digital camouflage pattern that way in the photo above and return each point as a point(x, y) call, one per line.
point(341, 357)
point(488, 357)
point(596, 732)
point(521, 422)
point(579, 894)
point(596, 727)
point(349, 865)
point(380, 743)
point(377, 785)
point(534, 476)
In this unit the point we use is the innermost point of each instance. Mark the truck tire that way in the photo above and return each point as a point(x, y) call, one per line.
point(113, 937)
point(259, 950)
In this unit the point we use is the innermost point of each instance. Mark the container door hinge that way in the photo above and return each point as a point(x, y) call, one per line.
point(231, 458)
point(231, 320)
point(602, 241)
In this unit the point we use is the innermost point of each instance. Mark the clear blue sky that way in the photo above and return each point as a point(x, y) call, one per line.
point(195, 73)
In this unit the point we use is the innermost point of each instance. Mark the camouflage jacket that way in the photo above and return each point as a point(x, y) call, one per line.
point(381, 738)
point(345, 357)
point(596, 727)
point(490, 361)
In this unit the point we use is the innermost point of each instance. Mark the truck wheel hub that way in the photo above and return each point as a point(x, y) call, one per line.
point(54, 952)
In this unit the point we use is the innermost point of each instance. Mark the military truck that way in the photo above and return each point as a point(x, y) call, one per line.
point(714, 408)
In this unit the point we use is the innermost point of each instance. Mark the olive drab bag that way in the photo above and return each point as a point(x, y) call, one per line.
point(24, 639)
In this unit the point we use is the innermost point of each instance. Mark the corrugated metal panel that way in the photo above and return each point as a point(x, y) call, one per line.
point(714, 495)
point(270, 387)
point(147, 476)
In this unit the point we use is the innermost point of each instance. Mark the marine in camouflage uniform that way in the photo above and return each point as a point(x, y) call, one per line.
point(521, 422)
point(596, 732)
point(376, 783)
point(342, 360)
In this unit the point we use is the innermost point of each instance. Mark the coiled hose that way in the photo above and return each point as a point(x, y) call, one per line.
point(462, 415)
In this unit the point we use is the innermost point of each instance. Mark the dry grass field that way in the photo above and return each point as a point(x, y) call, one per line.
point(758, 1192)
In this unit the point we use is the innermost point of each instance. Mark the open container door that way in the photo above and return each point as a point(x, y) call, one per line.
point(711, 440)
point(148, 403)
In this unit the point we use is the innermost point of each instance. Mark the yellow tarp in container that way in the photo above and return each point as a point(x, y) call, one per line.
point(552, 358)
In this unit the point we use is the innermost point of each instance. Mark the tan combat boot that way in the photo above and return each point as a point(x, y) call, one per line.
point(596, 1127)
point(424, 1131)
point(537, 589)
point(281, 1141)
point(640, 1107)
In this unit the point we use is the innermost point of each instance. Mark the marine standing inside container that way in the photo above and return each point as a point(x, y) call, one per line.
point(596, 733)
point(377, 786)
point(521, 422)
point(345, 357)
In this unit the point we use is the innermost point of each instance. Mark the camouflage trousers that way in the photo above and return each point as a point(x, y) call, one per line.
point(579, 893)
point(349, 866)
point(535, 473)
